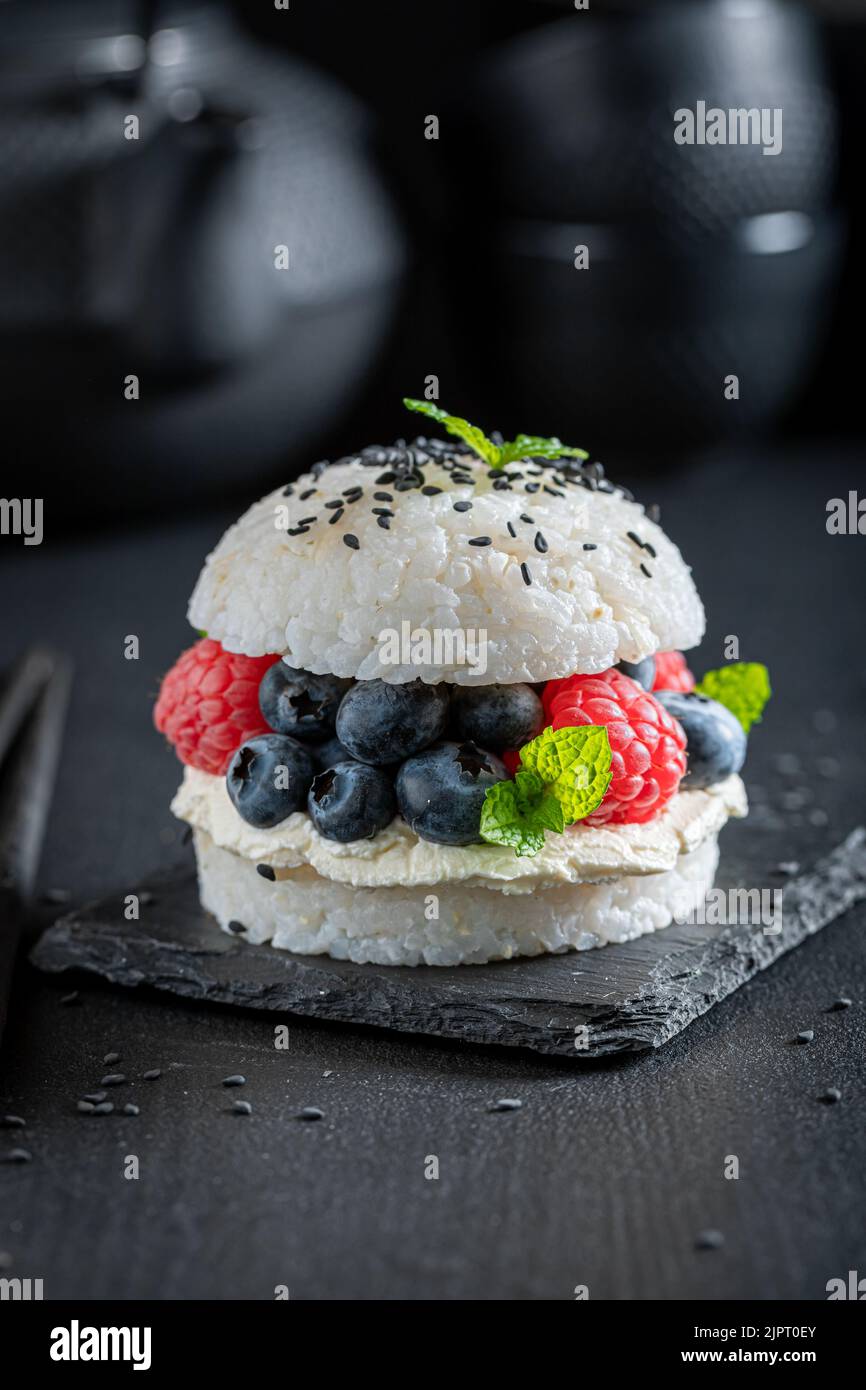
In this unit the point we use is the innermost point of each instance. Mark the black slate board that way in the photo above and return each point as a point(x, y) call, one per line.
point(629, 997)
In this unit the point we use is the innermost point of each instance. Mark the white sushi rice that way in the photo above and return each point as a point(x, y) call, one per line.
point(394, 926)
point(325, 606)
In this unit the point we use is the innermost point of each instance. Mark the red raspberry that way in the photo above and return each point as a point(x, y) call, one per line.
point(209, 704)
point(672, 673)
point(648, 757)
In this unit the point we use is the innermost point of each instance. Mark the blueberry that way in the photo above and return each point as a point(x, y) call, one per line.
point(644, 672)
point(329, 753)
point(351, 802)
point(268, 778)
point(383, 723)
point(440, 791)
point(496, 716)
point(298, 703)
point(715, 740)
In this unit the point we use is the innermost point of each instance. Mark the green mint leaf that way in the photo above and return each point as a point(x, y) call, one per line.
point(574, 764)
point(518, 813)
point(534, 445)
point(743, 687)
point(470, 434)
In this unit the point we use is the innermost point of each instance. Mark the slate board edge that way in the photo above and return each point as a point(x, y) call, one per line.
point(684, 979)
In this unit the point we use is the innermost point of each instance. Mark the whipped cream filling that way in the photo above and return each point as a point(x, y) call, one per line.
point(397, 857)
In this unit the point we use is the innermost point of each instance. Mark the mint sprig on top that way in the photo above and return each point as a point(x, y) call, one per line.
point(495, 455)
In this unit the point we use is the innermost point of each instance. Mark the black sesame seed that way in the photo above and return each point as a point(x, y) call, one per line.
point(650, 550)
point(18, 1156)
point(241, 1107)
point(307, 520)
point(636, 539)
point(528, 519)
point(839, 1004)
point(153, 1074)
point(462, 506)
point(505, 1104)
point(540, 543)
point(130, 1109)
point(12, 1122)
point(590, 545)
point(431, 490)
point(351, 541)
point(645, 571)
point(266, 872)
point(381, 511)
point(110, 1058)
point(384, 522)
point(654, 512)
point(554, 492)
point(237, 928)
point(709, 1240)
point(831, 1096)
point(383, 497)
point(114, 1078)
point(353, 492)
point(502, 485)
point(96, 1097)
point(288, 490)
point(308, 492)
point(335, 517)
point(386, 478)
point(531, 487)
point(297, 530)
point(406, 484)
point(235, 1080)
point(480, 540)
point(311, 1112)
point(85, 1107)
point(511, 530)
point(806, 1035)
point(333, 504)
point(71, 998)
point(524, 570)
point(104, 1108)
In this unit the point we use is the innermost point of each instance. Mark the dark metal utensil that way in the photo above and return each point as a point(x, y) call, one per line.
point(32, 715)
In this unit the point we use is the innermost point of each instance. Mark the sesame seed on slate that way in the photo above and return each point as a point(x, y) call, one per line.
point(839, 1004)
point(431, 490)
point(806, 1035)
point(237, 928)
point(480, 540)
point(153, 1074)
point(311, 1112)
point(335, 517)
point(12, 1122)
point(540, 543)
point(130, 1109)
point(506, 1103)
point(590, 545)
point(831, 1096)
point(383, 496)
point(18, 1156)
point(709, 1240)
point(235, 1080)
point(351, 541)
point(463, 506)
point(241, 1107)
point(384, 522)
point(308, 492)
point(85, 1107)
point(524, 570)
point(645, 571)
point(96, 1097)
point(524, 516)
point(56, 895)
point(110, 1057)
point(104, 1107)
point(71, 998)
point(511, 530)
point(114, 1078)
point(266, 872)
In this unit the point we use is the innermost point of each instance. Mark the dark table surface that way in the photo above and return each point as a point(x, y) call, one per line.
point(608, 1172)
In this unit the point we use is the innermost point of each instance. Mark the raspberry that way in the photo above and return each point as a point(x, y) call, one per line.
point(672, 673)
point(209, 704)
point(648, 757)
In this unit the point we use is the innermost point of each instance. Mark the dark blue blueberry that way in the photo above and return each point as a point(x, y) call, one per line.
point(268, 778)
point(644, 672)
point(351, 801)
point(329, 753)
point(496, 716)
point(383, 723)
point(715, 739)
point(298, 703)
point(440, 792)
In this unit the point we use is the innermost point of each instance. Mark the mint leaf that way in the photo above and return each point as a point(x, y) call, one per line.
point(534, 445)
point(518, 813)
point(470, 434)
point(743, 687)
point(574, 764)
point(563, 776)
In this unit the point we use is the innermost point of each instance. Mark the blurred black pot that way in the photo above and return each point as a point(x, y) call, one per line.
point(704, 261)
point(155, 257)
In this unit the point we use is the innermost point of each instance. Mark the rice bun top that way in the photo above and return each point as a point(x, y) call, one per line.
point(419, 561)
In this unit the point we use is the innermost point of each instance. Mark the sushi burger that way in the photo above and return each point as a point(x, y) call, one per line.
point(439, 712)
